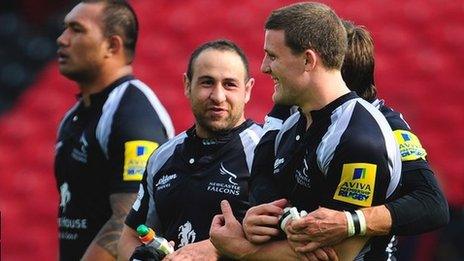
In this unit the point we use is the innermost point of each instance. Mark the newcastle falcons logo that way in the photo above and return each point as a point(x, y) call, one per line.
point(223, 171)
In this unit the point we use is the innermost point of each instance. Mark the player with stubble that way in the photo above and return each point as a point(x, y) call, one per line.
point(105, 139)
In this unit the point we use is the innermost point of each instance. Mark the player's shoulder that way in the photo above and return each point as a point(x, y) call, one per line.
point(251, 131)
point(164, 152)
point(394, 118)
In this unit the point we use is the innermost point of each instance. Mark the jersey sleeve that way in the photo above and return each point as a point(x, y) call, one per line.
point(422, 206)
point(137, 132)
point(263, 186)
point(143, 210)
point(358, 175)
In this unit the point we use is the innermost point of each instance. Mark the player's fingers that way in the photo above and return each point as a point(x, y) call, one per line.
point(218, 222)
point(227, 211)
point(263, 220)
point(257, 239)
point(265, 209)
point(321, 255)
point(303, 223)
point(310, 247)
point(298, 237)
point(281, 203)
point(331, 253)
point(310, 257)
point(263, 231)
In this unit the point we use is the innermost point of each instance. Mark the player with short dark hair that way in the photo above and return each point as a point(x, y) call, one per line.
point(211, 161)
point(105, 140)
point(337, 151)
point(422, 206)
point(119, 18)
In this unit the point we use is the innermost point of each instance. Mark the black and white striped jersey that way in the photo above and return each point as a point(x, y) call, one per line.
point(187, 178)
point(102, 149)
point(346, 159)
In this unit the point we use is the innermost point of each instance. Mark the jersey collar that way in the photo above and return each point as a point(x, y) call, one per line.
point(329, 108)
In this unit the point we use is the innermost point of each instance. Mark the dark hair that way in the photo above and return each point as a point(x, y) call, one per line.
point(221, 45)
point(311, 26)
point(120, 19)
point(358, 66)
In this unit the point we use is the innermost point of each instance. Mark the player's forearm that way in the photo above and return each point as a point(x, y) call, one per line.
point(96, 252)
point(127, 243)
point(350, 248)
point(423, 206)
point(105, 244)
point(378, 220)
point(202, 250)
point(274, 250)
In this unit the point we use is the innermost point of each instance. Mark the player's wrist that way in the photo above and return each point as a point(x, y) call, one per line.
point(356, 223)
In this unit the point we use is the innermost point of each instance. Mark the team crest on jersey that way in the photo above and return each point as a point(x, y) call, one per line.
point(65, 196)
point(136, 154)
point(302, 176)
point(187, 234)
point(410, 146)
point(357, 184)
point(232, 177)
point(231, 187)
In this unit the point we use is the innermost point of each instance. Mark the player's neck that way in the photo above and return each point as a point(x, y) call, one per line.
point(324, 89)
point(104, 79)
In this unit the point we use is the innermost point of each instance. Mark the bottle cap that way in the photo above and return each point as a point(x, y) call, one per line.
point(143, 230)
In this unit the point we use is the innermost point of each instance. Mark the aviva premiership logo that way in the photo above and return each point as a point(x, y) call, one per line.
point(410, 146)
point(136, 154)
point(357, 184)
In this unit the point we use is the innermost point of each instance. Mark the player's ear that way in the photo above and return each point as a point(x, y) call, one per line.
point(310, 59)
point(248, 87)
point(115, 45)
point(186, 85)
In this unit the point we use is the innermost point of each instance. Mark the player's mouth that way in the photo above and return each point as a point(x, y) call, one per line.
point(62, 56)
point(276, 82)
point(217, 111)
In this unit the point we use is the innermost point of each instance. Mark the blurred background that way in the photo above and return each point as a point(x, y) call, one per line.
point(419, 54)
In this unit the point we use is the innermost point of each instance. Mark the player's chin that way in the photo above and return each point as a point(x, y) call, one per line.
point(219, 125)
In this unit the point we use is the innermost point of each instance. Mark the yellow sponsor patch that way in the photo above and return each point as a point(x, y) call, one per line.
point(357, 184)
point(410, 146)
point(136, 154)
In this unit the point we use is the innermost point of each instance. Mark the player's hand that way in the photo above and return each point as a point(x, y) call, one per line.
point(325, 254)
point(322, 227)
point(261, 222)
point(227, 235)
point(147, 253)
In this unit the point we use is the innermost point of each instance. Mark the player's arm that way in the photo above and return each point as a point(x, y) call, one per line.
point(104, 245)
point(202, 250)
point(227, 236)
point(263, 185)
point(422, 208)
point(139, 213)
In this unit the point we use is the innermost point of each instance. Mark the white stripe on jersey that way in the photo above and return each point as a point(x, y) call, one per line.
point(156, 161)
point(103, 130)
point(271, 123)
point(159, 108)
point(250, 138)
point(288, 124)
point(393, 152)
point(339, 122)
